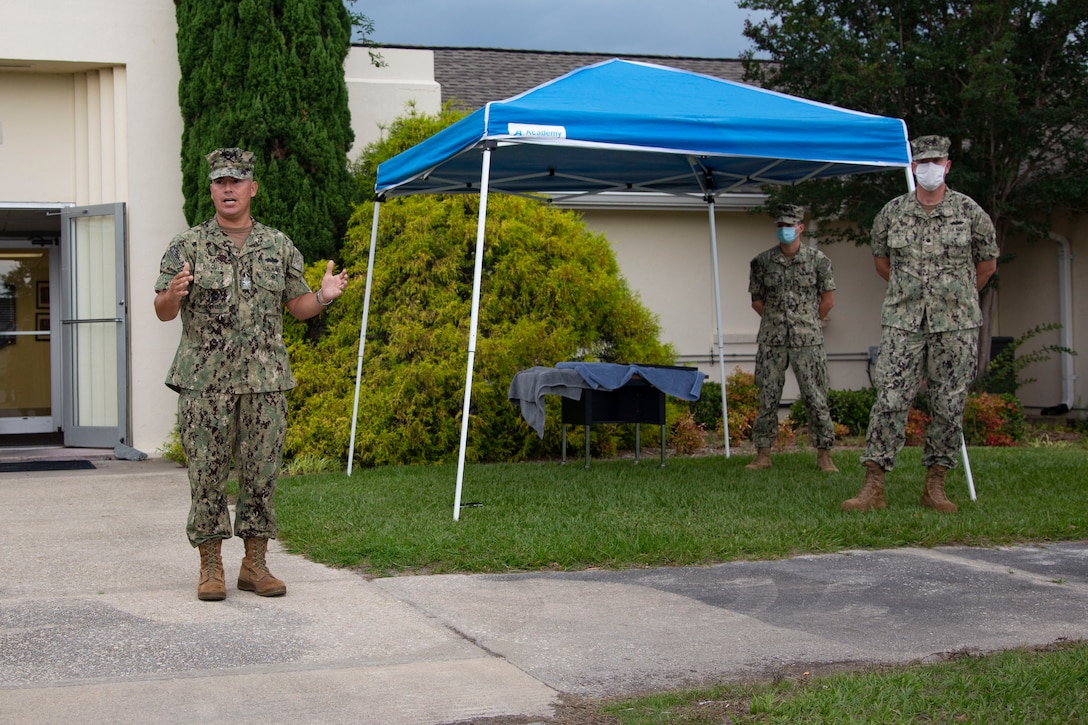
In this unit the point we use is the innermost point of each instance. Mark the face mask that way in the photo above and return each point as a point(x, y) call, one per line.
point(786, 235)
point(929, 176)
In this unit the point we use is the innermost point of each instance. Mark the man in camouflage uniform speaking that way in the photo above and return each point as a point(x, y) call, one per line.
point(230, 279)
point(792, 290)
point(936, 247)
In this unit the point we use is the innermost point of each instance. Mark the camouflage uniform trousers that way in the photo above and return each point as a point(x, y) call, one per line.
point(216, 427)
point(809, 365)
point(947, 362)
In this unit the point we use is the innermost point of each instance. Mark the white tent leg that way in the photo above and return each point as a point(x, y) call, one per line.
point(718, 317)
point(362, 332)
point(967, 468)
point(485, 176)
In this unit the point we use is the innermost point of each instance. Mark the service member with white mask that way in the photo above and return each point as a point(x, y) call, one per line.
point(936, 248)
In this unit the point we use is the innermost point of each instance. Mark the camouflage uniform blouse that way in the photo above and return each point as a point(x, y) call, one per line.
point(790, 290)
point(232, 319)
point(933, 257)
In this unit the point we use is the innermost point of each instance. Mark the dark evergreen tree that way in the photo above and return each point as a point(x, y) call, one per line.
point(268, 76)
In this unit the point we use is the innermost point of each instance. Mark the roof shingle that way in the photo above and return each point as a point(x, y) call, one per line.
point(470, 77)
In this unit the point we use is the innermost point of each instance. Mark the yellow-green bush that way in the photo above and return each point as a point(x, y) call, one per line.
point(551, 292)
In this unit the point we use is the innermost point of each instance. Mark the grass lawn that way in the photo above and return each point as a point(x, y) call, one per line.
point(695, 510)
point(1015, 687)
point(710, 509)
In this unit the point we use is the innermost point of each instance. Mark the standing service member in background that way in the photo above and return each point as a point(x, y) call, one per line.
point(937, 249)
point(230, 279)
point(792, 290)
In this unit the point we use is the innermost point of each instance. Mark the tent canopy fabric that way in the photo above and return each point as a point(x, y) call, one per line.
point(628, 126)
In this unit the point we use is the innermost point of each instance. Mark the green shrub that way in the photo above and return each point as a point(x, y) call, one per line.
point(551, 292)
point(171, 449)
point(307, 464)
point(707, 410)
point(849, 408)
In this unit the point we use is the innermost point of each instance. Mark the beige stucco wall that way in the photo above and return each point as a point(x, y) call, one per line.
point(34, 109)
point(378, 94)
point(1029, 296)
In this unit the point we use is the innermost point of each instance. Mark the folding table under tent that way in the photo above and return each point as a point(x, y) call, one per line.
point(623, 126)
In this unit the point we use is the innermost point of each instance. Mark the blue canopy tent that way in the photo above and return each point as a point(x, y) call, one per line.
point(622, 126)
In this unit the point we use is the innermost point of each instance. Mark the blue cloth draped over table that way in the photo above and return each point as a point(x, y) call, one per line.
point(683, 383)
point(568, 379)
point(530, 386)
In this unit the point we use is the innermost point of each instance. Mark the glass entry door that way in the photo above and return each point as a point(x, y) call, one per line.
point(94, 326)
point(26, 380)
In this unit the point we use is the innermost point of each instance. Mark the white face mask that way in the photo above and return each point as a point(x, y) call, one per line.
point(930, 176)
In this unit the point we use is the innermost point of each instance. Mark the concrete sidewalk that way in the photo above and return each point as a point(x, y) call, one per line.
point(99, 621)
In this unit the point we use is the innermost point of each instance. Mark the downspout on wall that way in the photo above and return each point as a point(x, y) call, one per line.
point(1065, 317)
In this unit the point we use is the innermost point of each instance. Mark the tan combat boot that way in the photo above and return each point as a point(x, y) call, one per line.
point(871, 495)
point(933, 494)
point(211, 587)
point(254, 575)
point(762, 460)
point(824, 462)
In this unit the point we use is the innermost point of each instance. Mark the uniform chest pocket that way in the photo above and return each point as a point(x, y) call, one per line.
point(898, 240)
point(957, 240)
point(804, 279)
point(774, 280)
point(212, 285)
point(269, 276)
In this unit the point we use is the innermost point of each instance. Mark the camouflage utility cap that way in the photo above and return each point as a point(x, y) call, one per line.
point(791, 214)
point(929, 147)
point(230, 162)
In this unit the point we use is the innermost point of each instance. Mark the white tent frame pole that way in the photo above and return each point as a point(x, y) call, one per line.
point(477, 275)
point(963, 441)
point(718, 316)
point(967, 467)
point(362, 332)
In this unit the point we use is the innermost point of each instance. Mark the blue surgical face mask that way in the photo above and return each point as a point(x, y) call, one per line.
point(786, 235)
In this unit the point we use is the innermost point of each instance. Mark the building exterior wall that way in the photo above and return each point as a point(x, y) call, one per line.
point(1029, 296)
point(39, 136)
point(379, 94)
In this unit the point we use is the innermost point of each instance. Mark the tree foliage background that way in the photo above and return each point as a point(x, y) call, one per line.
point(1006, 80)
point(268, 76)
point(551, 292)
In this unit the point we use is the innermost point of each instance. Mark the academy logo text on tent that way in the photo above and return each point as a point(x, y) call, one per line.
point(528, 129)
